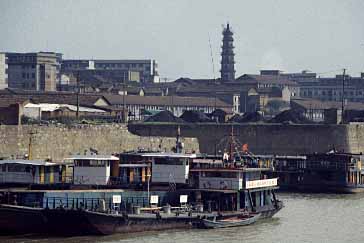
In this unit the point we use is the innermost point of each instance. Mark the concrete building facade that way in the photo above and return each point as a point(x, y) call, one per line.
point(34, 71)
point(3, 71)
point(175, 104)
point(123, 70)
point(334, 89)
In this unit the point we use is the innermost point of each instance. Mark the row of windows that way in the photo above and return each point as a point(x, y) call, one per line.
point(28, 66)
point(331, 93)
point(22, 59)
point(28, 75)
point(109, 65)
point(176, 110)
point(91, 163)
point(28, 85)
point(127, 65)
point(170, 161)
point(220, 174)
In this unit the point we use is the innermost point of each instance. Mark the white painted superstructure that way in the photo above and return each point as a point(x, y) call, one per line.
point(28, 172)
point(92, 169)
point(170, 167)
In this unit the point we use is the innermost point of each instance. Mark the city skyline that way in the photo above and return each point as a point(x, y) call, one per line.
point(292, 36)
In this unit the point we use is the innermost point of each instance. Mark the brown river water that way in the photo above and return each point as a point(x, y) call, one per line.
point(305, 218)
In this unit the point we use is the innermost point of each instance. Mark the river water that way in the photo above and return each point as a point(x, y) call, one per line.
point(305, 218)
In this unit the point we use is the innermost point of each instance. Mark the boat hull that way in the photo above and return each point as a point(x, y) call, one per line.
point(68, 222)
point(110, 224)
point(21, 220)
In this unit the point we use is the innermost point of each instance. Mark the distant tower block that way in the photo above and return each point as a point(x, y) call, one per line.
point(227, 55)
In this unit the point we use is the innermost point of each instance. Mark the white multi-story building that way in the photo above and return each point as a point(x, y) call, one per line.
point(147, 69)
point(3, 71)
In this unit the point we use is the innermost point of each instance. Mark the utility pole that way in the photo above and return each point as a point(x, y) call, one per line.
point(343, 97)
point(125, 113)
point(78, 96)
point(30, 154)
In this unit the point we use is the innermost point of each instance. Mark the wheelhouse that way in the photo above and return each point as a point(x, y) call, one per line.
point(93, 169)
point(20, 171)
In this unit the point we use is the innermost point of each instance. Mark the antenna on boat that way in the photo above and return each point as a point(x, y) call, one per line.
point(179, 144)
point(78, 96)
point(343, 98)
point(231, 144)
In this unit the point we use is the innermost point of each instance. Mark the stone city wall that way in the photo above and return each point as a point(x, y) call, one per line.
point(60, 141)
point(265, 138)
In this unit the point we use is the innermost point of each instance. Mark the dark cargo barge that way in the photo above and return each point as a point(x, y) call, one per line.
point(327, 172)
point(74, 222)
point(141, 191)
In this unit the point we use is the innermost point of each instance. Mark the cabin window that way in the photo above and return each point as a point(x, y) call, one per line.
point(16, 168)
point(3, 167)
point(169, 161)
point(220, 174)
point(90, 163)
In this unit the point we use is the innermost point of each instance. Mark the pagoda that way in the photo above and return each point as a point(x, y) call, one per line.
point(227, 55)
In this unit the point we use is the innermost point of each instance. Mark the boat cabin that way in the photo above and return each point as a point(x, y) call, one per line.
point(158, 168)
point(93, 169)
point(321, 171)
point(237, 185)
point(170, 167)
point(21, 171)
point(133, 168)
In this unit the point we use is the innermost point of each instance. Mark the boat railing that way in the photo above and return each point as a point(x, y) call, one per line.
point(126, 204)
point(233, 165)
point(93, 204)
point(106, 180)
point(313, 165)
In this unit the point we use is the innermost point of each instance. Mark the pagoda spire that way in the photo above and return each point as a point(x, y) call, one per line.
point(227, 55)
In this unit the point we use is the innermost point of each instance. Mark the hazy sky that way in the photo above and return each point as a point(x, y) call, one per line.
point(290, 35)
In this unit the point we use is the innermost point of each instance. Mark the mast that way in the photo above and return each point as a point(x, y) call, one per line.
point(343, 97)
point(179, 146)
point(30, 155)
point(125, 113)
point(231, 144)
point(78, 96)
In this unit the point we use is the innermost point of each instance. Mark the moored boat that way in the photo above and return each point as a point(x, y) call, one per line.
point(230, 221)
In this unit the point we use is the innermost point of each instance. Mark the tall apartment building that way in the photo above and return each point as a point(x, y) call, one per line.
point(34, 71)
point(118, 69)
point(3, 71)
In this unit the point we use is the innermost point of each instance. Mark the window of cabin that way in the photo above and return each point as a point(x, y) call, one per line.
point(170, 161)
point(221, 174)
point(16, 168)
point(91, 163)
